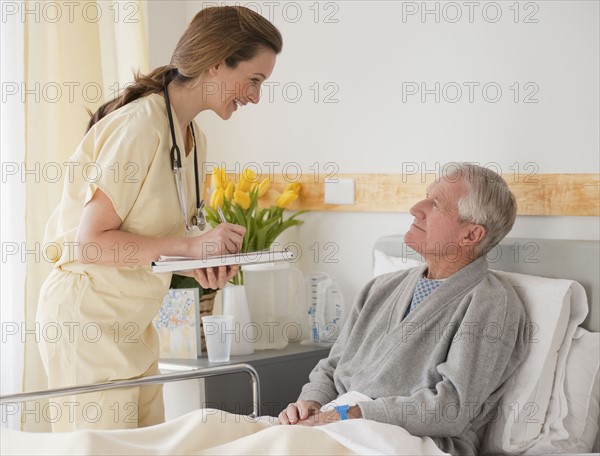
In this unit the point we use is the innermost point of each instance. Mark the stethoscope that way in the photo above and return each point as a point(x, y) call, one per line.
point(198, 220)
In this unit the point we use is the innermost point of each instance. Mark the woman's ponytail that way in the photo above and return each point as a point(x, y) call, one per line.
point(143, 85)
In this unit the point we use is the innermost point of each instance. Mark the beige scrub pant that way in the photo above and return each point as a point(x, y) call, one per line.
point(90, 333)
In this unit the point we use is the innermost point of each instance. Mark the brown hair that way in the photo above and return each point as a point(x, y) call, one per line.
point(228, 33)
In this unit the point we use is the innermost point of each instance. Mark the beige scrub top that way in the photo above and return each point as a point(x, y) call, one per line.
point(127, 156)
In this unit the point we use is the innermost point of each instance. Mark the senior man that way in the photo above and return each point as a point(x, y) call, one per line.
point(432, 346)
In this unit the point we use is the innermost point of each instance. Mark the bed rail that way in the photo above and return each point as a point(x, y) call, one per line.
point(150, 380)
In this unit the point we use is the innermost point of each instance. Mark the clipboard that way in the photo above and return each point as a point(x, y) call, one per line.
point(176, 264)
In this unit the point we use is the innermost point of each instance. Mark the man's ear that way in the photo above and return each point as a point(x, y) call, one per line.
point(474, 235)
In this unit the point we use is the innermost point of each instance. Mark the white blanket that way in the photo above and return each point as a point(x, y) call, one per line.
point(210, 431)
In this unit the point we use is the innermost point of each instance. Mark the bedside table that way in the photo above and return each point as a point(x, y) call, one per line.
point(282, 374)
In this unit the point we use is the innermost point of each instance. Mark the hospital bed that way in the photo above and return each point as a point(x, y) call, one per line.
point(551, 405)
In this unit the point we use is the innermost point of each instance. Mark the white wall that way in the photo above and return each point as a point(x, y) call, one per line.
point(373, 52)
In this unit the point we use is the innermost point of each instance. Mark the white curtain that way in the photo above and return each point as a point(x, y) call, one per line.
point(12, 216)
point(61, 58)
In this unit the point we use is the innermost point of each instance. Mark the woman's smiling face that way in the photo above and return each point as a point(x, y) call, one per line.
point(225, 89)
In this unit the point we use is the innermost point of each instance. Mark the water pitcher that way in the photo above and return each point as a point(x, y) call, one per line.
point(275, 293)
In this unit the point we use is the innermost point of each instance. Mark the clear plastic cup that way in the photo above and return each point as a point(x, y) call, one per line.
point(218, 330)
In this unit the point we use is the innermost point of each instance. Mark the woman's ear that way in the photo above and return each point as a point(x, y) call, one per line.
point(214, 70)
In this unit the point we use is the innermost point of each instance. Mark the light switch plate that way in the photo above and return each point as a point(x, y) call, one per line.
point(339, 191)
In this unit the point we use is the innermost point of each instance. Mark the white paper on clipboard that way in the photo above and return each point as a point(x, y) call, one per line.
point(175, 264)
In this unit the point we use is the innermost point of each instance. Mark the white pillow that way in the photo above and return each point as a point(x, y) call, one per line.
point(576, 428)
point(555, 308)
point(582, 389)
point(383, 263)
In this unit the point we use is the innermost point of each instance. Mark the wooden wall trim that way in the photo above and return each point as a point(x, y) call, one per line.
point(539, 194)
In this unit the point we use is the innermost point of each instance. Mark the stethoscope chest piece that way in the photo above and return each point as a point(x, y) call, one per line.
point(199, 219)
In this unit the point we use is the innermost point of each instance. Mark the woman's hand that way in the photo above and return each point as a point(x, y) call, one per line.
point(224, 239)
point(214, 277)
point(299, 411)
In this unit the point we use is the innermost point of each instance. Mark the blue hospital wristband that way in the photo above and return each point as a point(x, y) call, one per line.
point(342, 410)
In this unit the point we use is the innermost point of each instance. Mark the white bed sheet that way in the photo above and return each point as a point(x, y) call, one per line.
point(210, 431)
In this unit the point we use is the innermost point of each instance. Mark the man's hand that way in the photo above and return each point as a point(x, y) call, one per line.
point(299, 411)
point(330, 416)
point(320, 418)
point(308, 413)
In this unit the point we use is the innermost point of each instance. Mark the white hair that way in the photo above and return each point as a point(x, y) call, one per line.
point(488, 202)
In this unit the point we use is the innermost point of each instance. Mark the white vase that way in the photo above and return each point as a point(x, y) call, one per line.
point(235, 303)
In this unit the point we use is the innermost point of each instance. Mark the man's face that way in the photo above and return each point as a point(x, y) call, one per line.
point(436, 230)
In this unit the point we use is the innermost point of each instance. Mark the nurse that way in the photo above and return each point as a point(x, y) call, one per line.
point(113, 222)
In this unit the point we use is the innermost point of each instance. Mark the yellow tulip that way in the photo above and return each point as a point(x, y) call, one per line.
point(242, 199)
point(263, 186)
point(216, 200)
point(246, 179)
point(219, 178)
point(229, 190)
point(293, 187)
point(286, 198)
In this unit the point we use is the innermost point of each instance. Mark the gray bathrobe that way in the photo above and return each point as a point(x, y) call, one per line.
point(440, 372)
